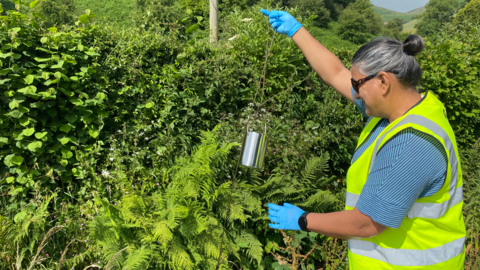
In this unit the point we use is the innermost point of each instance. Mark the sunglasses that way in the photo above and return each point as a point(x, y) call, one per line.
point(356, 84)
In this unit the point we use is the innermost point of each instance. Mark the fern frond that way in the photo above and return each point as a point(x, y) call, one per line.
point(320, 202)
point(137, 259)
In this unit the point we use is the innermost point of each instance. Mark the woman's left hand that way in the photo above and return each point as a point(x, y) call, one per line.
point(286, 216)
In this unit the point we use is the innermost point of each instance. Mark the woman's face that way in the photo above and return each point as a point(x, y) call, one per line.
point(370, 93)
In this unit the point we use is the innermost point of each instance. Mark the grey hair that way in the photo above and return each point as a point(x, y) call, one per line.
point(389, 55)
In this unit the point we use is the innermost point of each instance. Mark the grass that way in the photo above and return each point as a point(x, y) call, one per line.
point(120, 11)
point(409, 27)
point(329, 38)
point(388, 14)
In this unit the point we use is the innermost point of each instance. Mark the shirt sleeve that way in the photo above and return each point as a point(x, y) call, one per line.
point(359, 103)
point(411, 165)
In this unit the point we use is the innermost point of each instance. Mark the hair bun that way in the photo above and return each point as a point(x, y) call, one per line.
point(413, 45)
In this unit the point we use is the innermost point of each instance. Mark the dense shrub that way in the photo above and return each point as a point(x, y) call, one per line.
point(359, 22)
point(470, 13)
point(451, 66)
point(110, 163)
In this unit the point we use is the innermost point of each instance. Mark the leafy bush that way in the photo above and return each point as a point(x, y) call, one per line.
point(437, 13)
point(451, 66)
point(470, 13)
point(359, 22)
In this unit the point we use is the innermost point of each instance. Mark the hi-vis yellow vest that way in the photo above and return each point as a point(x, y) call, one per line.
point(432, 235)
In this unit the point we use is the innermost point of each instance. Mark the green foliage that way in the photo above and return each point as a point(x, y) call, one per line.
point(119, 11)
point(111, 118)
point(7, 5)
point(57, 12)
point(470, 13)
point(451, 66)
point(201, 210)
point(394, 29)
point(388, 15)
point(437, 13)
point(336, 7)
point(329, 38)
point(359, 22)
point(471, 184)
point(314, 7)
point(160, 10)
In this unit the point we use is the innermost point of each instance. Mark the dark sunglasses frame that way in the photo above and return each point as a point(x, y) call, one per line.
point(356, 84)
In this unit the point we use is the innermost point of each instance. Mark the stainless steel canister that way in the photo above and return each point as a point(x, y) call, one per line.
point(253, 150)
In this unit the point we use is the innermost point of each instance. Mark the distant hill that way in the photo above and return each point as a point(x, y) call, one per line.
point(409, 27)
point(388, 14)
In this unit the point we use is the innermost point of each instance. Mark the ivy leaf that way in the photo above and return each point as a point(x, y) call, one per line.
point(71, 118)
point(84, 19)
point(33, 4)
point(101, 96)
point(44, 40)
point(40, 135)
point(52, 112)
point(29, 79)
point(67, 154)
point(4, 81)
point(17, 160)
point(3, 141)
point(15, 114)
point(64, 162)
point(76, 101)
point(42, 59)
point(14, 104)
point(149, 105)
point(34, 146)
point(24, 121)
point(29, 89)
point(59, 64)
point(192, 29)
point(64, 140)
point(5, 55)
point(93, 133)
point(28, 131)
point(8, 160)
point(65, 128)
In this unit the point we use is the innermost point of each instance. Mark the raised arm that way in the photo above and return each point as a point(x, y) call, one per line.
point(324, 62)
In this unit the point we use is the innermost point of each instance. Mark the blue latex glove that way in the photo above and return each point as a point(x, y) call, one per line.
point(282, 22)
point(285, 216)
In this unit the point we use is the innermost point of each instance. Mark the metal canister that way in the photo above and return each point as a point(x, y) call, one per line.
point(253, 150)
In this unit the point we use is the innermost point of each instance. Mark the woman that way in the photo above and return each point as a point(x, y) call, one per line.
point(404, 186)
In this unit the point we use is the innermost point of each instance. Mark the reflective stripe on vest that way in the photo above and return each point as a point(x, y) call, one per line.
point(424, 210)
point(407, 257)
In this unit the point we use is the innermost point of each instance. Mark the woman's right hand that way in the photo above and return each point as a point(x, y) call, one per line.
point(282, 22)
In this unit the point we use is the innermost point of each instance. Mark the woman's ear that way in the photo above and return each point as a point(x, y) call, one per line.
point(385, 81)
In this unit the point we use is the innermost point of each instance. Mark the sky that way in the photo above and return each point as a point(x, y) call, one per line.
point(400, 6)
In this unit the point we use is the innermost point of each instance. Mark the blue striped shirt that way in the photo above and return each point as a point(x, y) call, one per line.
point(409, 166)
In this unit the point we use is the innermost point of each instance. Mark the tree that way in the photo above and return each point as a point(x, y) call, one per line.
point(394, 29)
point(470, 13)
point(57, 12)
point(359, 22)
point(437, 13)
point(315, 7)
point(336, 7)
point(7, 5)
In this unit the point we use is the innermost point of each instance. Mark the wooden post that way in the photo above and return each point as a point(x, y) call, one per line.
point(213, 21)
